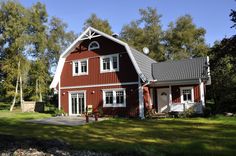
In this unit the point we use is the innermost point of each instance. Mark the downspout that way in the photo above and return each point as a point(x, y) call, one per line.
point(59, 94)
point(141, 98)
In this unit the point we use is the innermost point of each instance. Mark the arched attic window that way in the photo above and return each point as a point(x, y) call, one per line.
point(93, 45)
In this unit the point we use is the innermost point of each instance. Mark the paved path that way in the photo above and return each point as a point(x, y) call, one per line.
point(62, 120)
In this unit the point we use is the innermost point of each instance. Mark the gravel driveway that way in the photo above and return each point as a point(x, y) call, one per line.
point(65, 120)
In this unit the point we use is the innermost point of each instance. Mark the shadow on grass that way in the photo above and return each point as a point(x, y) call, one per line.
point(135, 137)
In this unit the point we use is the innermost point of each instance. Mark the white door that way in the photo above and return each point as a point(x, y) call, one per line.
point(163, 99)
point(77, 103)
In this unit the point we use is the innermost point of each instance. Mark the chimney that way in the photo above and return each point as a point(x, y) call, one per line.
point(115, 35)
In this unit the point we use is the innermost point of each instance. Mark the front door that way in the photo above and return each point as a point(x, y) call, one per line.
point(77, 103)
point(163, 99)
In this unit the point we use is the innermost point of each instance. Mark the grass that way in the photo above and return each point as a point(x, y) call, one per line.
point(4, 106)
point(196, 136)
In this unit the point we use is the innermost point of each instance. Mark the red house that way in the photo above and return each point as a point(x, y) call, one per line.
point(105, 73)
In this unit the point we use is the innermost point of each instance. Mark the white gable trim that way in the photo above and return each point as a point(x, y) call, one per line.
point(80, 38)
point(57, 75)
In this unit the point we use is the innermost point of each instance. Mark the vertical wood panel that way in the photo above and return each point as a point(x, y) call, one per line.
point(127, 71)
point(96, 100)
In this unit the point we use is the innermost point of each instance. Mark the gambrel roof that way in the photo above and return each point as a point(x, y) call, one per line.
point(147, 68)
point(139, 60)
point(144, 62)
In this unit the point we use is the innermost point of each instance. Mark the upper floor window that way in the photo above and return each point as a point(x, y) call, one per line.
point(93, 45)
point(109, 63)
point(114, 97)
point(187, 94)
point(80, 67)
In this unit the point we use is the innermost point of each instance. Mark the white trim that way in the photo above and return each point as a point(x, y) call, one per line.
point(192, 94)
point(141, 103)
point(100, 85)
point(69, 101)
point(208, 69)
point(72, 46)
point(170, 95)
point(57, 75)
point(174, 82)
point(79, 67)
point(114, 104)
point(111, 63)
point(208, 72)
point(59, 94)
point(152, 96)
point(202, 93)
point(93, 48)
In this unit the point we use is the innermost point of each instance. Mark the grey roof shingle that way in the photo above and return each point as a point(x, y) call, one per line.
point(144, 62)
point(179, 70)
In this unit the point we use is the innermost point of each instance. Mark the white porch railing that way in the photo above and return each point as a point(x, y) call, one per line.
point(180, 107)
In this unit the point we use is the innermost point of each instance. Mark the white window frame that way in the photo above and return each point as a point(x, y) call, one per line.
point(182, 97)
point(70, 102)
point(93, 48)
point(79, 66)
point(111, 63)
point(114, 97)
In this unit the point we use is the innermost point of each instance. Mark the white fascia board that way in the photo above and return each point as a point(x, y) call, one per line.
point(56, 77)
point(122, 43)
point(62, 60)
point(67, 52)
point(174, 82)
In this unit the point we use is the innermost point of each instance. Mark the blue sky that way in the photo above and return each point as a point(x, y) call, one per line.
point(213, 15)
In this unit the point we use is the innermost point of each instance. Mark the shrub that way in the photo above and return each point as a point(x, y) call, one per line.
point(100, 111)
point(207, 111)
point(58, 112)
point(187, 113)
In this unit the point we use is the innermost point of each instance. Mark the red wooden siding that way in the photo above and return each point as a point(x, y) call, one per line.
point(126, 72)
point(96, 100)
point(175, 90)
point(147, 98)
point(176, 93)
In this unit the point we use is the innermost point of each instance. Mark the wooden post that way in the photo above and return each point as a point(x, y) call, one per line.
point(96, 117)
point(86, 115)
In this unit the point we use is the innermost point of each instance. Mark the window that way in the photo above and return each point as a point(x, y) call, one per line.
point(120, 97)
point(76, 68)
point(114, 97)
point(106, 63)
point(114, 62)
point(83, 66)
point(187, 94)
point(93, 45)
point(80, 67)
point(109, 97)
point(109, 63)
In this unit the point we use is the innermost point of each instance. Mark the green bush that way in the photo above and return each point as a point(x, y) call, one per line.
point(187, 113)
point(4, 106)
point(59, 112)
point(100, 111)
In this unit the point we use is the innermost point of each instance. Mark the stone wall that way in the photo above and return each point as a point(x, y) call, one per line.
point(32, 106)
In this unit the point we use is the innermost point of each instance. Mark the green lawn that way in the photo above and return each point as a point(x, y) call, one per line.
point(197, 136)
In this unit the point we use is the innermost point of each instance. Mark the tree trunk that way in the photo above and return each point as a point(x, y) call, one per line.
point(36, 90)
point(16, 90)
point(40, 94)
point(21, 93)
